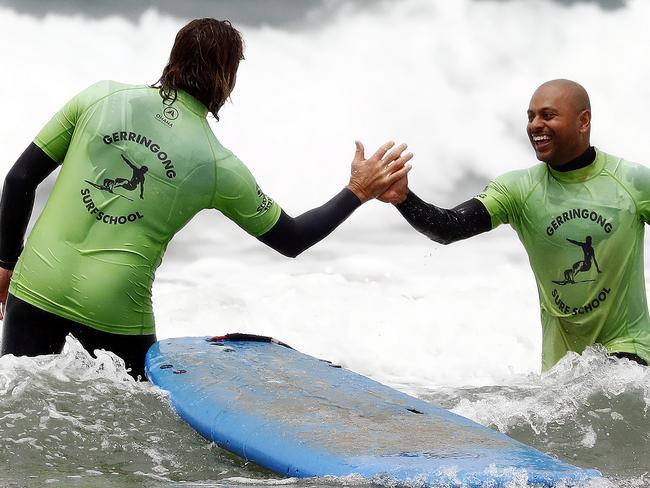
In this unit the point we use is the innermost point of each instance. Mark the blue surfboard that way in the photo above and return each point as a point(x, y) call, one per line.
point(304, 417)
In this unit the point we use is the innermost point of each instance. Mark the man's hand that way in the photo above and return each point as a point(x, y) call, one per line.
point(5, 276)
point(396, 192)
point(373, 176)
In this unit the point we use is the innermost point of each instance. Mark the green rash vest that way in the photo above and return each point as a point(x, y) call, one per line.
point(583, 232)
point(134, 171)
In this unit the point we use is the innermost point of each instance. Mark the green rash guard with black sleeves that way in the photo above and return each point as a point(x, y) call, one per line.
point(583, 231)
point(134, 171)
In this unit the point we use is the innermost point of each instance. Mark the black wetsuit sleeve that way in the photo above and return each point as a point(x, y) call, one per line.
point(17, 201)
point(291, 236)
point(446, 226)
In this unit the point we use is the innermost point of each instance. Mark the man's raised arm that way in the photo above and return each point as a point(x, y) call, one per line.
point(438, 224)
point(369, 179)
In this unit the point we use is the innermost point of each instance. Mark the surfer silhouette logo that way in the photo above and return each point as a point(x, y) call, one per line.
point(582, 266)
point(130, 184)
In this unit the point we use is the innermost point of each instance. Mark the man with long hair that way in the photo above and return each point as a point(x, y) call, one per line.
point(88, 265)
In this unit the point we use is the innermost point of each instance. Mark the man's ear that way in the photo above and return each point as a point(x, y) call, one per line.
point(584, 121)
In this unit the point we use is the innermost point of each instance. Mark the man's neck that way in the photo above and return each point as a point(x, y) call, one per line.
point(585, 159)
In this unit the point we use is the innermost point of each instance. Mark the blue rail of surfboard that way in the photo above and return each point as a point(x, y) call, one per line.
point(209, 389)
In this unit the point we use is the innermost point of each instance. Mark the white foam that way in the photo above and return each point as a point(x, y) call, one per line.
point(565, 395)
point(73, 364)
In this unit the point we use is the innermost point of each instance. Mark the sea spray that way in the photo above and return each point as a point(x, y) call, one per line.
point(585, 408)
point(74, 420)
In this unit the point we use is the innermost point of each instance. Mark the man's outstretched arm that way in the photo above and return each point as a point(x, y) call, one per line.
point(445, 225)
point(18, 193)
point(370, 177)
point(438, 224)
point(291, 236)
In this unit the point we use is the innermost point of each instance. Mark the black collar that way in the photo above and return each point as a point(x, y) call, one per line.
point(585, 159)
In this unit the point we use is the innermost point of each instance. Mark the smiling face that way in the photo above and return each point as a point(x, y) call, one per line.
point(559, 121)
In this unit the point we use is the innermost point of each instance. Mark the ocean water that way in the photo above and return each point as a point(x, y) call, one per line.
point(455, 325)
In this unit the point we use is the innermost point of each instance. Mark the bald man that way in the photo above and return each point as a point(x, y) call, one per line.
point(580, 205)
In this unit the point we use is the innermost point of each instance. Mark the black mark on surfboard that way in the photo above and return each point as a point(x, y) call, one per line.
point(435, 455)
point(241, 337)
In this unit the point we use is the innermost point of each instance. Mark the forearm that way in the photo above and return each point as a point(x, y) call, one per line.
point(17, 201)
point(442, 225)
point(291, 236)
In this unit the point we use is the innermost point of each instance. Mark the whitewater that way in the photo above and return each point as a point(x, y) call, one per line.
point(454, 325)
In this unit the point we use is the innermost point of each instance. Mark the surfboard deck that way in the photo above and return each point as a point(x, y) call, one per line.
point(304, 417)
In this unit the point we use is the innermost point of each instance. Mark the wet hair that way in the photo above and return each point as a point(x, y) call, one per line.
point(203, 62)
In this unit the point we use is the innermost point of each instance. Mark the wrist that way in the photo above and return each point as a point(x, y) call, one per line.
point(402, 198)
point(7, 265)
point(357, 192)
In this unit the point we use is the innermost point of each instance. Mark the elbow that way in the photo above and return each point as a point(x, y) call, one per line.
point(292, 248)
point(19, 181)
point(294, 253)
point(290, 252)
point(284, 246)
point(14, 179)
point(444, 240)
